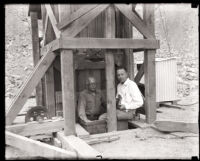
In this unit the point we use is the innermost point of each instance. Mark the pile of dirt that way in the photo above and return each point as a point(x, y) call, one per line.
point(18, 55)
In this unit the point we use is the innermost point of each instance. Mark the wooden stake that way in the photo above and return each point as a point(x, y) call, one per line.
point(110, 71)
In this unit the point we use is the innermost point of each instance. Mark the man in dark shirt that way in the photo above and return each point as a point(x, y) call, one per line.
point(91, 102)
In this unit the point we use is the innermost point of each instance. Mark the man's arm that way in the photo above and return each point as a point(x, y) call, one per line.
point(81, 107)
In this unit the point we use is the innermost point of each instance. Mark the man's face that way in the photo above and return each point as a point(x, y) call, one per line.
point(122, 75)
point(92, 85)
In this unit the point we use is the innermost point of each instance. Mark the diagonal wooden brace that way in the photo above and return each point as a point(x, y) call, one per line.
point(135, 20)
point(29, 86)
point(75, 15)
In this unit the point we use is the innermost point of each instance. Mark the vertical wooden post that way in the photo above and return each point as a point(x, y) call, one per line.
point(110, 71)
point(49, 76)
point(129, 52)
point(67, 78)
point(149, 69)
point(43, 11)
point(36, 52)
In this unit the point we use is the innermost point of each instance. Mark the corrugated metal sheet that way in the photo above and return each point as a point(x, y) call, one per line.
point(166, 80)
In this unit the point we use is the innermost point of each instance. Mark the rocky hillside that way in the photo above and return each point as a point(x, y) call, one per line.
point(178, 37)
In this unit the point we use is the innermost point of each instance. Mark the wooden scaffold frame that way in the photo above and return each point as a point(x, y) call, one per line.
point(66, 26)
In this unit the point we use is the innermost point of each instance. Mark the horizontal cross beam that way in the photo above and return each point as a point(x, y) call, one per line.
point(108, 43)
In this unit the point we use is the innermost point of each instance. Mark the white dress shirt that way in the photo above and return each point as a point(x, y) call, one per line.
point(130, 93)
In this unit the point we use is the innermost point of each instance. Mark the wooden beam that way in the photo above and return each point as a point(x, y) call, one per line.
point(45, 29)
point(67, 79)
point(110, 71)
point(103, 139)
point(75, 15)
point(79, 24)
point(50, 47)
point(35, 128)
point(46, 127)
point(129, 52)
point(149, 68)
point(49, 76)
point(50, 92)
point(83, 150)
point(90, 65)
point(83, 65)
point(139, 74)
point(81, 132)
point(36, 52)
point(28, 87)
point(108, 43)
point(53, 20)
point(172, 126)
point(135, 20)
point(38, 148)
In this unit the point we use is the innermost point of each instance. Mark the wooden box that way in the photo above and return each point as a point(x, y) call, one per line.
point(95, 127)
point(122, 125)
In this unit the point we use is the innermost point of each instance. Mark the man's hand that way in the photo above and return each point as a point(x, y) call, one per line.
point(122, 107)
point(86, 120)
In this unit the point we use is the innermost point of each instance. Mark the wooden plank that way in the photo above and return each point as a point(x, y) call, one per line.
point(35, 128)
point(171, 106)
point(45, 29)
point(67, 79)
point(139, 123)
point(78, 25)
point(28, 87)
point(81, 132)
point(67, 76)
point(83, 150)
point(57, 143)
point(128, 33)
point(49, 75)
point(52, 19)
point(50, 92)
point(52, 46)
point(149, 69)
point(100, 140)
point(135, 20)
point(172, 126)
point(45, 128)
point(36, 52)
point(110, 71)
point(37, 148)
point(139, 74)
point(107, 43)
point(90, 65)
point(75, 15)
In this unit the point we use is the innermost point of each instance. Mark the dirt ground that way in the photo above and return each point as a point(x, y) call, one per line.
point(144, 143)
point(151, 144)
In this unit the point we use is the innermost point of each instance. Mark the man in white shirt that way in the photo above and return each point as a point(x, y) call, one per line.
point(129, 97)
